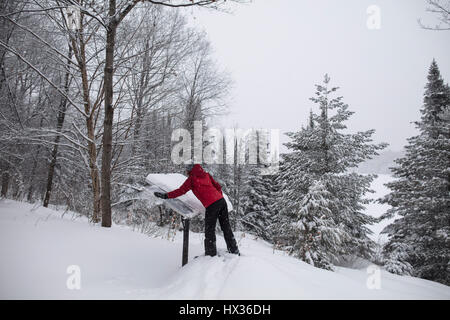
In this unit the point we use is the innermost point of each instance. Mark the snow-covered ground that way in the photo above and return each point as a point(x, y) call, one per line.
point(38, 246)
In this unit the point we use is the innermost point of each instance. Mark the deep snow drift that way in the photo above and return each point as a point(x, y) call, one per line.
point(37, 245)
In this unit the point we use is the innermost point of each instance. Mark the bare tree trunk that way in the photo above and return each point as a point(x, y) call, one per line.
point(94, 171)
point(33, 172)
point(109, 115)
point(59, 125)
point(5, 183)
point(90, 124)
point(51, 170)
point(140, 99)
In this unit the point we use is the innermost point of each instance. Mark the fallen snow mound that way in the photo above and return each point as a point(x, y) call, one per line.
point(38, 246)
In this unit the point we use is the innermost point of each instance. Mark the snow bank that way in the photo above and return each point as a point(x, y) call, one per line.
point(37, 245)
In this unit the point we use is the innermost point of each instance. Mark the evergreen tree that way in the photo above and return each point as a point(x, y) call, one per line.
point(419, 240)
point(316, 228)
point(258, 194)
point(323, 152)
point(257, 214)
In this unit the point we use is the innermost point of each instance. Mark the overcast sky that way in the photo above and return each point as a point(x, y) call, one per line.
point(276, 50)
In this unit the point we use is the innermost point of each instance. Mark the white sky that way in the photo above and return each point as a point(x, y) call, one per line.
point(277, 50)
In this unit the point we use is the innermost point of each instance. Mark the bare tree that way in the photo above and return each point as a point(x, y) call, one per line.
point(60, 123)
point(116, 13)
point(441, 8)
point(204, 88)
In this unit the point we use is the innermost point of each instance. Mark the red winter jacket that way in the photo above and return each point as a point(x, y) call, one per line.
point(204, 187)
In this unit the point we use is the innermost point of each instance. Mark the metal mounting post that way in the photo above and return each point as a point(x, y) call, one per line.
point(185, 223)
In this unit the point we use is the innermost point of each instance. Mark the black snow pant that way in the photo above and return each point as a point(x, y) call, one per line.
point(218, 209)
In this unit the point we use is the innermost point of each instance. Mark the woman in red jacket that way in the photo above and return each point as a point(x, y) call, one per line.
point(209, 192)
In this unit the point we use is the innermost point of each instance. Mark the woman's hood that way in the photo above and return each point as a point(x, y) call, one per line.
point(197, 171)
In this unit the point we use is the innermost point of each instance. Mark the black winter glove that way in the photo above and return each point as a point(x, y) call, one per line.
point(161, 195)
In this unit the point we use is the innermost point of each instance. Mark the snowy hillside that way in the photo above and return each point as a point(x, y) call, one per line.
point(38, 245)
point(382, 163)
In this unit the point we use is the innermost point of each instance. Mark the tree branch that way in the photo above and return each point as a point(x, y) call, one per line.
point(42, 75)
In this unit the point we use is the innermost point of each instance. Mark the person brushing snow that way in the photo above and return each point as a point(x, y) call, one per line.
point(209, 192)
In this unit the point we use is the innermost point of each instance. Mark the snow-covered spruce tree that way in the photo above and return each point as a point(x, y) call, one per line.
point(237, 186)
point(259, 188)
point(323, 152)
point(258, 194)
point(419, 241)
point(317, 229)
